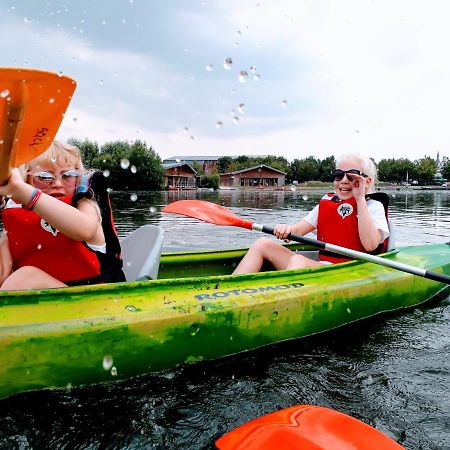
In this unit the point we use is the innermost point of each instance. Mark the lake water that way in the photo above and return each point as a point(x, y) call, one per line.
point(392, 372)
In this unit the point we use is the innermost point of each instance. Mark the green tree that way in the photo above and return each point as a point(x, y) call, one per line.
point(89, 150)
point(224, 163)
point(306, 169)
point(425, 169)
point(209, 181)
point(446, 168)
point(326, 166)
point(130, 166)
point(396, 170)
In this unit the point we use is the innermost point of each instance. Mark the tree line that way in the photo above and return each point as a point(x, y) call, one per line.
point(137, 166)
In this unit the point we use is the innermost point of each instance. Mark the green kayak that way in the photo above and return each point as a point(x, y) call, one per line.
point(195, 311)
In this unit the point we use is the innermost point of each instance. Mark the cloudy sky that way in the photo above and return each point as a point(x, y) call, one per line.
point(319, 77)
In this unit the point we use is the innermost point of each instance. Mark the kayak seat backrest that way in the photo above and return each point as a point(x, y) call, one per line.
point(383, 198)
point(141, 252)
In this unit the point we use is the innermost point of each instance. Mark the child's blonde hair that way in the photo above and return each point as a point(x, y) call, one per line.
point(59, 154)
point(368, 165)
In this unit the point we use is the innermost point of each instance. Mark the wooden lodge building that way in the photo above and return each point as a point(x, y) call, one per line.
point(180, 174)
point(261, 176)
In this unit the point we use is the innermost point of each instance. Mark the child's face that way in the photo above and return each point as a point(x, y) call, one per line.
point(347, 184)
point(54, 179)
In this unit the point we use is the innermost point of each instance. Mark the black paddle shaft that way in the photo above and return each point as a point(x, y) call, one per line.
point(435, 276)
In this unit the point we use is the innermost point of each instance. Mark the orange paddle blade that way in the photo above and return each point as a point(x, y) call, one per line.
point(32, 106)
point(305, 427)
point(207, 212)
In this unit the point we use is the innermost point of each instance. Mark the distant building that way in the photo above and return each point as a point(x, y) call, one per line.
point(261, 176)
point(208, 164)
point(179, 175)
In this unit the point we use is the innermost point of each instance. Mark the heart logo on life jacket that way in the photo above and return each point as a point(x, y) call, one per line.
point(345, 210)
point(47, 227)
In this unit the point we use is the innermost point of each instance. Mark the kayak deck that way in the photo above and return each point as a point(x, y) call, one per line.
point(59, 337)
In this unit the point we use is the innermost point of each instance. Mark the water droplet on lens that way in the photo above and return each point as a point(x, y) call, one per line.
point(152, 210)
point(236, 44)
point(27, 19)
point(274, 315)
point(257, 77)
point(209, 67)
point(109, 190)
point(124, 163)
point(238, 33)
point(186, 130)
point(51, 100)
point(243, 75)
point(39, 246)
point(53, 159)
point(107, 362)
point(4, 93)
point(241, 108)
point(106, 173)
point(60, 74)
point(305, 198)
point(284, 103)
point(131, 308)
point(100, 82)
point(133, 169)
point(253, 69)
point(114, 372)
point(133, 197)
point(228, 63)
point(235, 120)
point(219, 124)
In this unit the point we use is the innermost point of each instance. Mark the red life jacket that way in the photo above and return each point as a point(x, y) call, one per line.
point(33, 242)
point(338, 224)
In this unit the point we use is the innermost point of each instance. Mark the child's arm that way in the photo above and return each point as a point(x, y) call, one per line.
point(369, 234)
point(80, 224)
point(6, 263)
point(302, 227)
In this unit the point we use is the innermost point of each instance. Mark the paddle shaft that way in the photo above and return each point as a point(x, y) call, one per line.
point(435, 276)
point(14, 112)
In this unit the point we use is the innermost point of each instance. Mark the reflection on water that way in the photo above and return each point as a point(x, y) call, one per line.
point(392, 372)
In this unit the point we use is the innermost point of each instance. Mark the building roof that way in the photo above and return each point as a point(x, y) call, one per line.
point(192, 158)
point(252, 168)
point(180, 164)
point(207, 158)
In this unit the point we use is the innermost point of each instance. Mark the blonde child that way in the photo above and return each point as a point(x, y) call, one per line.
point(346, 218)
point(52, 238)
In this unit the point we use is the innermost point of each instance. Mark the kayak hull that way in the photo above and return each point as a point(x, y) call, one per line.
point(89, 334)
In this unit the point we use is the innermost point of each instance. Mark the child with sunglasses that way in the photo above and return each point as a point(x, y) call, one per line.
point(52, 237)
point(348, 218)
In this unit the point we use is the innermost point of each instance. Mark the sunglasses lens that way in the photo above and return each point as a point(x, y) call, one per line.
point(44, 177)
point(70, 176)
point(338, 174)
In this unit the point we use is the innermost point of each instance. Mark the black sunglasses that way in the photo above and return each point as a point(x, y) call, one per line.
point(338, 174)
